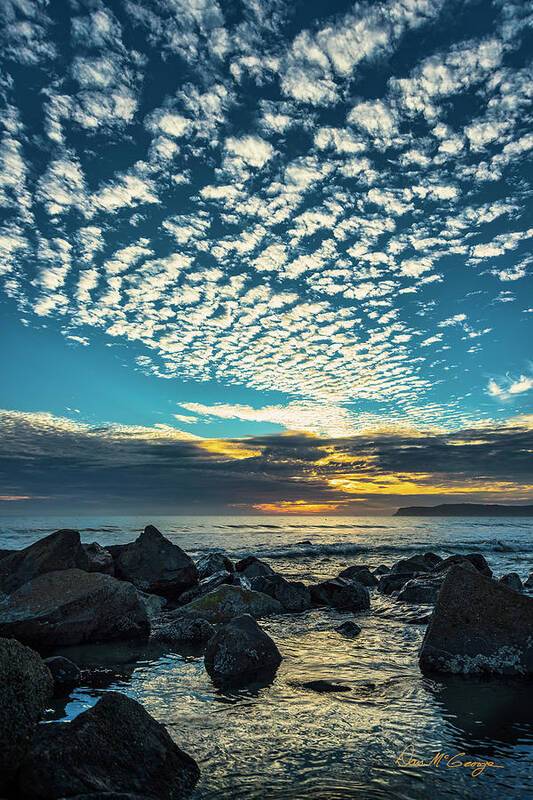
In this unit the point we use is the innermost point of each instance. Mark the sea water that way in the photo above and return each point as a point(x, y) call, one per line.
point(281, 741)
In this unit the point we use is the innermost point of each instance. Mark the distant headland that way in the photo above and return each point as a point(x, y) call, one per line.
point(465, 510)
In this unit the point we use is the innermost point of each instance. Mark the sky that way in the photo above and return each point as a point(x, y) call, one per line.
point(265, 256)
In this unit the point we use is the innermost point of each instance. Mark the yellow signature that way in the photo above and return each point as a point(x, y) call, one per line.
point(407, 759)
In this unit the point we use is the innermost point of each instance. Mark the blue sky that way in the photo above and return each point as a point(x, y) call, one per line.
point(224, 220)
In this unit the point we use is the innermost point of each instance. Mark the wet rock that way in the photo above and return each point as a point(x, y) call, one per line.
point(95, 558)
point(512, 580)
point(241, 653)
point(381, 570)
point(108, 796)
point(423, 589)
point(422, 562)
point(65, 674)
point(478, 626)
point(349, 629)
point(529, 581)
point(71, 607)
point(294, 596)
point(252, 567)
point(213, 562)
point(341, 594)
point(154, 603)
point(361, 574)
point(26, 686)
point(393, 581)
point(58, 551)
point(155, 565)
point(476, 559)
point(115, 746)
point(206, 585)
point(226, 602)
point(4, 553)
point(184, 630)
point(325, 686)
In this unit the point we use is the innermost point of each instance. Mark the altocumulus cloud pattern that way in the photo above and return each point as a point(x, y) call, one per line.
point(326, 201)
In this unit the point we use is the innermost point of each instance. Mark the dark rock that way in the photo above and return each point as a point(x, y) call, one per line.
point(361, 574)
point(154, 603)
point(325, 686)
point(72, 606)
point(381, 570)
point(184, 630)
point(423, 562)
point(4, 553)
point(59, 550)
point(108, 796)
point(205, 586)
point(226, 602)
point(65, 674)
point(423, 589)
point(95, 558)
point(476, 559)
point(252, 567)
point(294, 596)
point(478, 626)
point(512, 580)
point(349, 629)
point(341, 594)
point(529, 581)
point(115, 746)
point(213, 562)
point(240, 653)
point(393, 581)
point(26, 686)
point(155, 565)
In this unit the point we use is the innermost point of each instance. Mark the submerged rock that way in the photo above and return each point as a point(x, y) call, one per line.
point(226, 602)
point(115, 746)
point(361, 574)
point(240, 653)
point(65, 674)
point(213, 562)
point(184, 630)
point(325, 686)
point(71, 607)
point(58, 551)
point(478, 626)
point(512, 580)
point(349, 629)
point(341, 594)
point(252, 567)
point(294, 596)
point(206, 585)
point(95, 558)
point(26, 686)
point(155, 565)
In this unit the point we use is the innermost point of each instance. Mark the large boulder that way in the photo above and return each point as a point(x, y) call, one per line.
point(478, 626)
point(252, 567)
point(476, 559)
point(226, 602)
point(71, 607)
point(26, 686)
point(359, 573)
point(341, 594)
point(393, 581)
point(115, 746)
point(95, 558)
point(184, 630)
point(423, 589)
point(422, 562)
point(155, 565)
point(206, 585)
point(240, 653)
point(294, 596)
point(59, 550)
point(213, 562)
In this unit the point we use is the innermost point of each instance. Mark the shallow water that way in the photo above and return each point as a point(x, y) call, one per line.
point(282, 741)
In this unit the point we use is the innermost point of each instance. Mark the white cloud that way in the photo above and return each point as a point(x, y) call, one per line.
point(251, 149)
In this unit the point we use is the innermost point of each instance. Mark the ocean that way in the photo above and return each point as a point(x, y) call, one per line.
point(282, 742)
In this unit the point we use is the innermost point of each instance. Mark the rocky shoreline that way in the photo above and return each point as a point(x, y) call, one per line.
point(59, 592)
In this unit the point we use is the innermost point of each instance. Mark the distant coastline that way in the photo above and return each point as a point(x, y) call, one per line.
point(465, 510)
